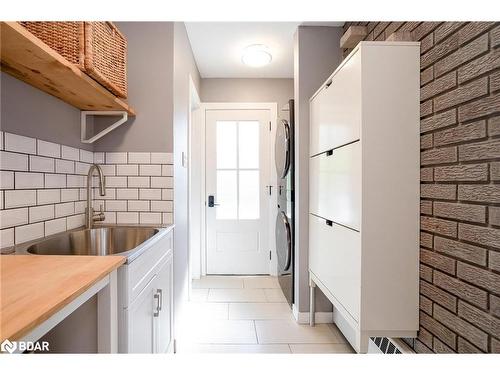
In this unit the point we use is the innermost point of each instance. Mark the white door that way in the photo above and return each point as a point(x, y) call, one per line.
point(237, 177)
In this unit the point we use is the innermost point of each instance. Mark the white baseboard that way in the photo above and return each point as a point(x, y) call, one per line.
point(320, 317)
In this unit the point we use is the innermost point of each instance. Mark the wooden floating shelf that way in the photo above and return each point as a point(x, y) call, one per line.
point(27, 58)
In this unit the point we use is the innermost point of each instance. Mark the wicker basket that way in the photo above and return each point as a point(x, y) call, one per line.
point(106, 56)
point(97, 48)
point(66, 38)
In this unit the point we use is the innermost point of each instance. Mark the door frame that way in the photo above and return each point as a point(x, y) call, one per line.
point(199, 165)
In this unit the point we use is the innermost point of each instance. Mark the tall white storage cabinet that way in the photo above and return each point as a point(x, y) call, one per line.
point(364, 191)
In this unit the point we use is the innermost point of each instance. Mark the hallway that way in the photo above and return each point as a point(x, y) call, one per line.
point(249, 314)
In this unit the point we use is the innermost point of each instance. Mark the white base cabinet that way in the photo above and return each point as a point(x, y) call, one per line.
point(364, 191)
point(145, 300)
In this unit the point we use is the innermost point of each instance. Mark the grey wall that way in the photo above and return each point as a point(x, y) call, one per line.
point(150, 90)
point(26, 110)
point(278, 90)
point(184, 67)
point(316, 55)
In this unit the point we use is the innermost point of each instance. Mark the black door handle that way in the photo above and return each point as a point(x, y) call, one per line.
point(211, 201)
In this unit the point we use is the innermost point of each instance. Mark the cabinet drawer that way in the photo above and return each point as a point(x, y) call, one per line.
point(335, 258)
point(143, 268)
point(335, 185)
point(335, 112)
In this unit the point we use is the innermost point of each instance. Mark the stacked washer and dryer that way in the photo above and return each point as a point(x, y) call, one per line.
point(285, 165)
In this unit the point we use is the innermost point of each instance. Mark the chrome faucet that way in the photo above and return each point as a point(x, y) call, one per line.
point(91, 217)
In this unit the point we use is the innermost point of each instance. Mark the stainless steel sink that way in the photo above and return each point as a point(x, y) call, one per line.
point(97, 241)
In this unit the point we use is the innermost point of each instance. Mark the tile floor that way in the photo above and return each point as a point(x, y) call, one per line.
point(249, 314)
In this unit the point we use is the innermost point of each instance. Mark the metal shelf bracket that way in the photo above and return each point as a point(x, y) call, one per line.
point(83, 122)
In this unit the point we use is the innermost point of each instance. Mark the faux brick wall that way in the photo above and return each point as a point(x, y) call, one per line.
point(460, 190)
point(42, 188)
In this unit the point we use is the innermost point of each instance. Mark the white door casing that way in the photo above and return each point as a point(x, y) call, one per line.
point(237, 174)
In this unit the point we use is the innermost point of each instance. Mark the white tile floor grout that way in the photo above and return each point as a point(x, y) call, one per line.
point(249, 314)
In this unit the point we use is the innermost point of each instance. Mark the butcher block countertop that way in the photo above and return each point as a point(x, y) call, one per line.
point(33, 288)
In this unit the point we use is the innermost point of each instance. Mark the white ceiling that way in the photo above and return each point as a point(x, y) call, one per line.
point(217, 47)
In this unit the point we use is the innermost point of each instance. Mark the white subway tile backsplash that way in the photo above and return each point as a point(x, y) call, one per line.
point(127, 193)
point(70, 153)
point(150, 170)
point(6, 180)
point(20, 198)
point(86, 156)
point(6, 238)
point(50, 149)
point(82, 168)
point(41, 164)
point(45, 190)
point(11, 218)
point(19, 143)
point(55, 226)
point(161, 158)
point(75, 221)
point(108, 169)
point(75, 181)
point(127, 170)
point(55, 181)
point(41, 213)
point(65, 166)
point(138, 206)
point(127, 217)
point(109, 218)
point(80, 207)
point(139, 157)
point(13, 161)
point(138, 182)
point(167, 194)
point(99, 158)
point(116, 158)
point(161, 206)
point(116, 205)
point(28, 180)
point(29, 232)
point(65, 209)
point(167, 217)
point(150, 218)
point(68, 195)
point(162, 182)
point(167, 170)
point(48, 196)
point(116, 182)
point(149, 193)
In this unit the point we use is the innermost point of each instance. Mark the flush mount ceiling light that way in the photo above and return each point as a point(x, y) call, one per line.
point(256, 55)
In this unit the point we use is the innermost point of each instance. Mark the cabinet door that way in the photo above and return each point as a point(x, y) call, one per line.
point(335, 185)
point(141, 323)
point(164, 320)
point(335, 112)
point(335, 258)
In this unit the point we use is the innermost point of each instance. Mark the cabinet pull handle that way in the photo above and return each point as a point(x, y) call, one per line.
point(160, 306)
point(329, 223)
point(157, 298)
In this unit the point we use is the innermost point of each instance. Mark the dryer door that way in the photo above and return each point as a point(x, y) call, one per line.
point(282, 149)
point(283, 243)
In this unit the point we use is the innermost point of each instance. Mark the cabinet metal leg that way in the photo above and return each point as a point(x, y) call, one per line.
point(312, 291)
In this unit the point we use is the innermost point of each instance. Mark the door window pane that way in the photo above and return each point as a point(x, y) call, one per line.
point(248, 138)
point(249, 202)
point(226, 144)
point(227, 195)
